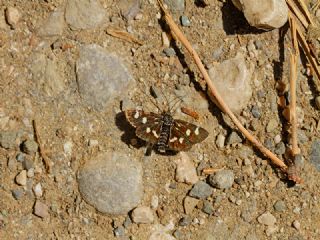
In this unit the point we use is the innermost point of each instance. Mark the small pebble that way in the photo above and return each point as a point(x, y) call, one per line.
point(29, 146)
point(272, 125)
point(267, 219)
point(201, 190)
point(27, 164)
point(177, 234)
point(30, 173)
point(296, 224)
point(154, 202)
point(142, 215)
point(37, 189)
point(17, 193)
point(220, 140)
point(185, 21)
point(185, 221)
point(12, 16)
point(170, 52)
point(165, 40)
point(233, 138)
point(271, 230)
point(21, 178)
point(207, 207)
point(280, 148)
point(277, 139)
point(12, 164)
point(279, 206)
point(189, 204)
point(185, 171)
point(256, 111)
point(119, 231)
point(67, 147)
point(20, 157)
point(127, 222)
point(222, 179)
point(41, 209)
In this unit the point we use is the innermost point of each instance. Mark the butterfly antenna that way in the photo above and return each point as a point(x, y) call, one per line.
point(165, 97)
point(176, 105)
point(154, 102)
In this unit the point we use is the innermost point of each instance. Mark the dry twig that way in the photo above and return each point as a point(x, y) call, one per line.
point(41, 150)
point(123, 35)
point(179, 36)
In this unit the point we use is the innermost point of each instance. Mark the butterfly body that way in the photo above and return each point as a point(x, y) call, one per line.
point(165, 132)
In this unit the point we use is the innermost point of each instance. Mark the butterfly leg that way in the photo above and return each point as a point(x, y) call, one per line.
point(149, 149)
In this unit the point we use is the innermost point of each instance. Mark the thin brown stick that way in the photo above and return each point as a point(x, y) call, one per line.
point(41, 151)
point(179, 35)
point(293, 83)
point(306, 12)
point(123, 35)
point(302, 18)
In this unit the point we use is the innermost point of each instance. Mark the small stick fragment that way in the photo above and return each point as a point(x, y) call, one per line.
point(123, 35)
point(41, 151)
point(209, 171)
point(190, 112)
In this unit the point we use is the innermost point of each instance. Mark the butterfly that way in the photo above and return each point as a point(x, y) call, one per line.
point(165, 132)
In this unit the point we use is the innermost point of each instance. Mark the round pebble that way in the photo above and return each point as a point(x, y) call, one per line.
point(279, 206)
point(267, 219)
point(17, 193)
point(185, 21)
point(142, 215)
point(109, 177)
point(12, 16)
point(29, 146)
point(201, 190)
point(222, 179)
point(37, 189)
point(41, 209)
point(21, 178)
point(27, 164)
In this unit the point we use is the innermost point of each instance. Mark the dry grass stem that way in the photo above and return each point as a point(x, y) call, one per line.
point(179, 36)
point(209, 171)
point(41, 150)
point(306, 11)
point(123, 35)
point(293, 84)
point(295, 9)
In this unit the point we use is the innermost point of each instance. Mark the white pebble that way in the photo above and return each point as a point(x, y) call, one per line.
point(13, 16)
point(37, 189)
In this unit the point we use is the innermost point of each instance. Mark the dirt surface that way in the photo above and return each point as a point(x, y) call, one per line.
point(64, 119)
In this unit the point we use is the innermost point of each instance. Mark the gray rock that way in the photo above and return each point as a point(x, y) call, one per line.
point(27, 164)
point(272, 125)
point(280, 148)
point(233, 138)
point(20, 157)
point(267, 219)
point(178, 234)
point(185, 221)
point(29, 146)
point(222, 179)
point(127, 222)
point(84, 14)
point(175, 5)
point(255, 110)
point(129, 8)
point(315, 154)
point(17, 193)
point(112, 183)
point(185, 21)
point(53, 25)
point(207, 207)
point(169, 52)
point(232, 80)
point(46, 75)
point(41, 209)
point(142, 215)
point(201, 190)
point(101, 76)
point(8, 139)
point(279, 206)
point(119, 231)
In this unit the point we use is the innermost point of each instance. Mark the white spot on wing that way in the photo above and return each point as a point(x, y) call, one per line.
point(155, 133)
point(136, 115)
point(181, 140)
point(188, 132)
point(173, 139)
point(196, 132)
point(148, 130)
point(144, 120)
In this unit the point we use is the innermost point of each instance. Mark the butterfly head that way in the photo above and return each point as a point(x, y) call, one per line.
point(167, 118)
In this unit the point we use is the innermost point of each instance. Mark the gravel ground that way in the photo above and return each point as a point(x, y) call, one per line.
point(61, 69)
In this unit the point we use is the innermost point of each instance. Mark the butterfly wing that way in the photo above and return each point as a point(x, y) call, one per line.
point(147, 124)
point(183, 135)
